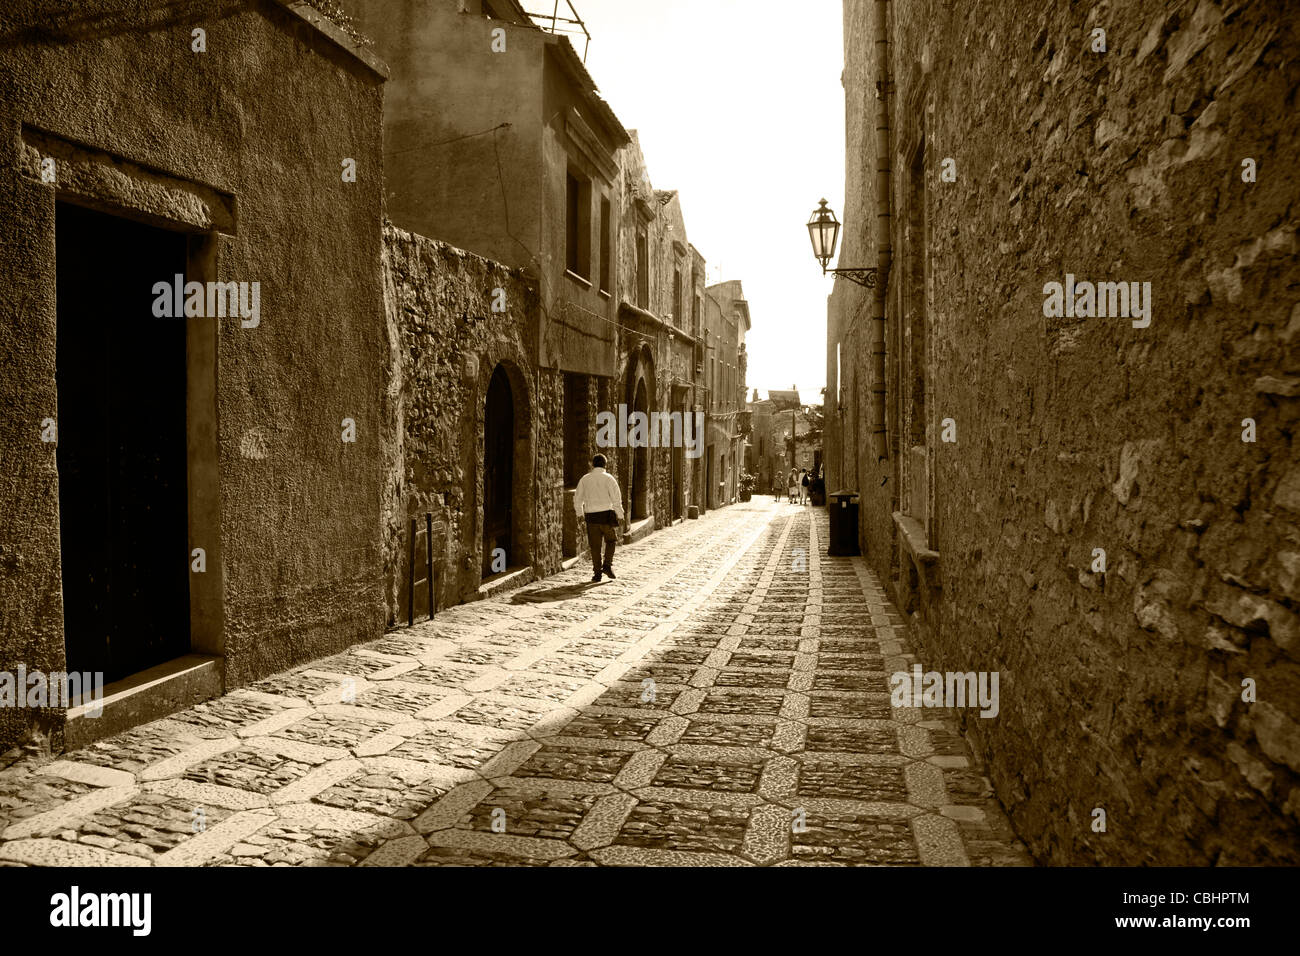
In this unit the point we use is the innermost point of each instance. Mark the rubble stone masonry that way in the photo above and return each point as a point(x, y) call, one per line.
point(445, 341)
point(1128, 689)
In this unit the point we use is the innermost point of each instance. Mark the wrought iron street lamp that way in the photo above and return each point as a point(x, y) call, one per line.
point(824, 231)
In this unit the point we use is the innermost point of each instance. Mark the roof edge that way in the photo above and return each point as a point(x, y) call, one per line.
point(308, 14)
point(577, 70)
point(523, 14)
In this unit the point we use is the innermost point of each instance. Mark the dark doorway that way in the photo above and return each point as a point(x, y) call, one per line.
point(498, 470)
point(710, 494)
point(123, 503)
point(641, 460)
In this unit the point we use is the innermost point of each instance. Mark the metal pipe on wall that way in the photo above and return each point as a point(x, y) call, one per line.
point(884, 253)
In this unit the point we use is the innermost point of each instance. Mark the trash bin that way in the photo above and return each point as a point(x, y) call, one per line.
point(844, 523)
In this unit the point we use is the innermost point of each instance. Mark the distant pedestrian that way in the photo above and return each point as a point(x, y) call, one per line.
point(794, 485)
point(803, 487)
point(599, 500)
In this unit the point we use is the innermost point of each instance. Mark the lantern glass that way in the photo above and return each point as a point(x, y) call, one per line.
point(823, 231)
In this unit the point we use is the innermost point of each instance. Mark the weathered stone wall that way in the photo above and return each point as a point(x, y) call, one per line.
point(586, 407)
point(478, 148)
point(454, 105)
point(219, 145)
point(549, 483)
point(662, 458)
point(445, 341)
point(851, 465)
point(1120, 690)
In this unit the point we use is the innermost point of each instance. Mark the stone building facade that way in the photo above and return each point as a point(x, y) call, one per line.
point(1101, 509)
point(190, 491)
point(312, 471)
point(498, 142)
point(727, 320)
point(765, 446)
point(660, 343)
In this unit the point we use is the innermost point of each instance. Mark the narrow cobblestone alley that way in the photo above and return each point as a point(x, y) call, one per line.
point(723, 702)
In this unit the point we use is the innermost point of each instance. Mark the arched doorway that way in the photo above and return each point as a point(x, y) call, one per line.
point(498, 472)
point(641, 460)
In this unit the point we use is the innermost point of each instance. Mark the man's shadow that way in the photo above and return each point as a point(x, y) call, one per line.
point(563, 592)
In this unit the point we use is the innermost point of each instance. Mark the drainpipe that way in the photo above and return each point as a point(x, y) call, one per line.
point(884, 89)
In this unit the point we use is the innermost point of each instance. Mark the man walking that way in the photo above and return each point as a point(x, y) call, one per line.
point(599, 500)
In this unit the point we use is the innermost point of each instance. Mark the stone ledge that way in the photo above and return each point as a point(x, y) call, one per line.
point(639, 529)
point(146, 696)
point(507, 581)
point(305, 12)
point(911, 535)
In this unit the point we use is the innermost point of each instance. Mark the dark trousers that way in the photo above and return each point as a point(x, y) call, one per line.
point(597, 533)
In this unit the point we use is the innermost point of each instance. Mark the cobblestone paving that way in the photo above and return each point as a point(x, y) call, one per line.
point(724, 702)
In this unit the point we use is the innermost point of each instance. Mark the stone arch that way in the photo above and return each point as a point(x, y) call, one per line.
point(501, 378)
point(640, 397)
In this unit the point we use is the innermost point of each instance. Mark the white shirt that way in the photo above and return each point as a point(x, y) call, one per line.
point(598, 491)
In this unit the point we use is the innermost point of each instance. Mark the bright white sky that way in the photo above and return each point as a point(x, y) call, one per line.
point(739, 107)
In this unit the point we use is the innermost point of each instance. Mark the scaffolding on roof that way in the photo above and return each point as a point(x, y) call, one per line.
point(564, 25)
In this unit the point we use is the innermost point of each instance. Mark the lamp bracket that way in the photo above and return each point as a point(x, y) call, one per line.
point(863, 277)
